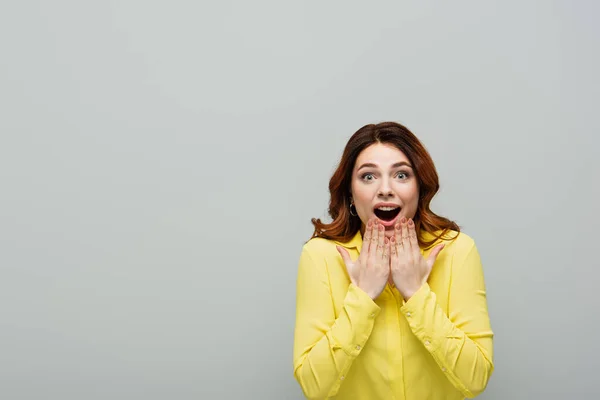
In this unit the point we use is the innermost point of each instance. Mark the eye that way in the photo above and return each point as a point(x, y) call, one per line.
point(367, 177)
point(402, 175)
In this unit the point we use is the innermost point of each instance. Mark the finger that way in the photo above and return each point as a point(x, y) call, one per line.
point(404, 234)
point(398, 237)
point(434, 253)
point(372, 238)
point(394, 261)
point(393, 248)
point(364, 253)
point(406, 251)
point(371, 255)
point(380, 240)
point(414, 242)
point(345, 256)
point(348, 263)
point(386, 251)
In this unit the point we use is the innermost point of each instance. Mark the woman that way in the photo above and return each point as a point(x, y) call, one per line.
point(391, 300)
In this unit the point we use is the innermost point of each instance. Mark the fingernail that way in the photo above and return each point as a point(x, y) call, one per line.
point(410, 222)
point(370, 223)
point(403, 220)
point(397, 227)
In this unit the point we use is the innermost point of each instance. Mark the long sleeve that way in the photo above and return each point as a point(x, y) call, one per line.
point(326, 346)
point(461, 342)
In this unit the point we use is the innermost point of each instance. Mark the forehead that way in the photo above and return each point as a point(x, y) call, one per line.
point(382, 154)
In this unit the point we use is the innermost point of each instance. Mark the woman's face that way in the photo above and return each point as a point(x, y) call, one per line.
point(384, 186)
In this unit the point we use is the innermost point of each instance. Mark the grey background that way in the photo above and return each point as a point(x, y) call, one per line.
point(160, 163)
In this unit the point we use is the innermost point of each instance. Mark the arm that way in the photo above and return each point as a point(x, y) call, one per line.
point(460, 343)
point(325, 347)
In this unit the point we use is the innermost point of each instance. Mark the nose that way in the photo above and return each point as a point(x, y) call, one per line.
point(385, 190)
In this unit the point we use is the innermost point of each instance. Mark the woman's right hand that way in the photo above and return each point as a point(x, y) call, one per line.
point(371, 271)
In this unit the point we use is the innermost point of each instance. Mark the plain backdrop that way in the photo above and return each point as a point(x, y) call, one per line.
point(160, 162)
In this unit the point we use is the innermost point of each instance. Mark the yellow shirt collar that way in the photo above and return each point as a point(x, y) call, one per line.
point(355, 242)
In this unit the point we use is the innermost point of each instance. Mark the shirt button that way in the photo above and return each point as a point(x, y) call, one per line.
point(427, 343)
point(342, 378)
point(408, 314)
point(443, 369)
point(372, 315)
point(357, 347)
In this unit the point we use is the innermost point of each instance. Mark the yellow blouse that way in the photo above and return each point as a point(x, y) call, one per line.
point(437, 345)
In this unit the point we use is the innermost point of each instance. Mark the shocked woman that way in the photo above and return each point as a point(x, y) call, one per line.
point(391, 299)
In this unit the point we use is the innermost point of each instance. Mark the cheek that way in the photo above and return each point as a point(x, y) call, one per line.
point(414, 201)
point(362, 198)
point(410, 198)
point(364, 208)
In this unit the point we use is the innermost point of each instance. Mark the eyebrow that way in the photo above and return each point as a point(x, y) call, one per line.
point(396, 165)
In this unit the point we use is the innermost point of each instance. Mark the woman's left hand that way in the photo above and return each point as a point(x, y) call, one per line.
point(408, 267)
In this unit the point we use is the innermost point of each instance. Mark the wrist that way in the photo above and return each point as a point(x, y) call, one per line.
point(369, 293)
point(407, 294)
point(373, 296)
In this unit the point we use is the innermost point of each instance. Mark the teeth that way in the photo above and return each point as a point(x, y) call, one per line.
point(386, 208)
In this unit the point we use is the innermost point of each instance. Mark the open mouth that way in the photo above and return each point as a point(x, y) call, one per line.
point(387, 213)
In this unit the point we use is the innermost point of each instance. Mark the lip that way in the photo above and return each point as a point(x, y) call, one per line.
point(388, 224)
point(385, 205)
point(392, 222)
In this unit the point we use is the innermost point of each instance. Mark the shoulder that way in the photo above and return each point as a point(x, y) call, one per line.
point(460, 240)
point(317, 256)
point(458, 243)
point(319, 247)
point(464, 255)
